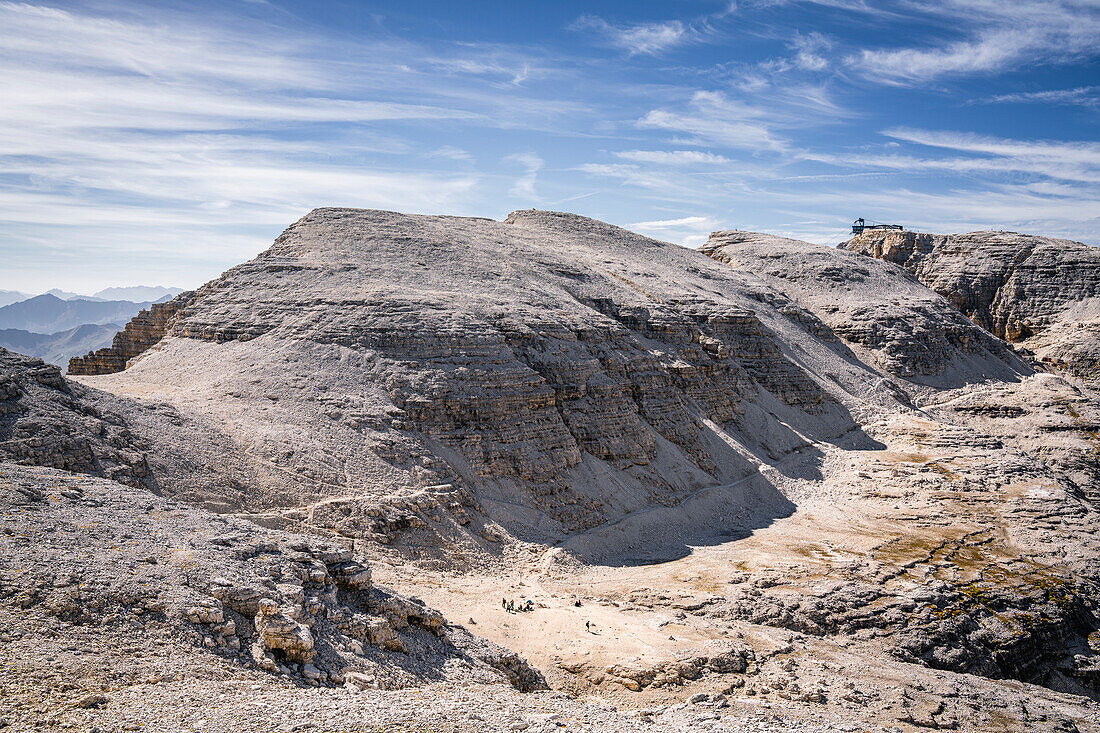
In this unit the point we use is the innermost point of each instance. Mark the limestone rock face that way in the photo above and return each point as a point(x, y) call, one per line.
point(782, 471)
point(550, 372)
point(1036, 291)
point(46, 420)
point(907, 330)
point(143, 331)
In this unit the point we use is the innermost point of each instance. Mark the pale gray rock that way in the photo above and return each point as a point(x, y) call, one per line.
point(46, 420)
point(88, 551)
point(909, 331)
point(458, 378)
point(1035, 291)
point(526, 400)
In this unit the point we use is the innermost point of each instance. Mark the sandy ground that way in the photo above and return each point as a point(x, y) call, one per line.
point(635, 612)
point(869, 517)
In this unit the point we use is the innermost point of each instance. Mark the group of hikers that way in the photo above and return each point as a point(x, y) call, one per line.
point(511, 606)
point(529, 605)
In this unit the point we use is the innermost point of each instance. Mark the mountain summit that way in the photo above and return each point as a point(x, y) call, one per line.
point(765, 465)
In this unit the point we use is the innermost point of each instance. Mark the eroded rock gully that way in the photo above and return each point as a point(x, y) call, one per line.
point(767, 472)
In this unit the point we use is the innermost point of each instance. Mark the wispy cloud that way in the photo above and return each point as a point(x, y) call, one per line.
point(747, 122)
point(992, 52)
point(810, 54)
point(451, 153)
point(1059, 160)
point(669, 223)
point(690, 231)
point(810, 50)
point(1000, 36)
point(133, 128)
point(503, 69)
point(672, 157)
point(524, 185)
point(643, 38)
point(160, 51)
point(660, 184)
point(1082, 96)
point(716, 118)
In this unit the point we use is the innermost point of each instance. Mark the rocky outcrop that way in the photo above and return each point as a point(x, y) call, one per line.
point(909, 331)
point(91, 552)
point(46, 420)
point(505, 367)
point(1013, 285)
point(789, 450)
point(635, 676)
point(142, 332)
point(1035, 291)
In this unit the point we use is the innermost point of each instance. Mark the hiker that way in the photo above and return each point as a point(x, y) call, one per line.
point(504, 604)
point(588, 626)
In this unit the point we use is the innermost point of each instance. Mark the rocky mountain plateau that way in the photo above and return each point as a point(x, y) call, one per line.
point(1038, 293)
point(764, 485)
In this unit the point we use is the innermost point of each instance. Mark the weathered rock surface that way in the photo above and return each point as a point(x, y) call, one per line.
point(866, 484)
point(121, 610)
point(141, 332)
point(466, 378)
point(1002, 613)
point(1036, 291)
point(909, 331)
point(88, 551)
point(46, 420)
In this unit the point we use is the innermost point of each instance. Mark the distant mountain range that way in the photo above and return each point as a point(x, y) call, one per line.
point(135, 293)
point(48, 314)
point(138, 293)
point(7, 297)
point(59, 324)
point(66, 295)
point(58, 348)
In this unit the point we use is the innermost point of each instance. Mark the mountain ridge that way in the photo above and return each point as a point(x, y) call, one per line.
point(1038, 292)
point(802, 451)
point(58, 348)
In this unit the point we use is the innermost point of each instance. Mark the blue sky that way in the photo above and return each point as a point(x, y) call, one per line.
point(164, 142)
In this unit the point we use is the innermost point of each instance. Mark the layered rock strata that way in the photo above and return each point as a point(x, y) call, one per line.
point(905, 328)
point(143, 331)
point(985, 606)
point(551, 394)
point(1035, 291)
point(551, 372)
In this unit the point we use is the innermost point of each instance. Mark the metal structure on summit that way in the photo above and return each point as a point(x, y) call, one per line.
point(860, 225)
